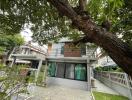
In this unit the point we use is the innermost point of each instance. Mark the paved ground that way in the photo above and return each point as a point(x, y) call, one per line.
point(60, 93)
point(103, 88)
point(63, 93)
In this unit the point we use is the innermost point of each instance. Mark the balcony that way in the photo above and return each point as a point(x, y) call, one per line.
point(83, 53)
point(27, 53)
point(59, 52)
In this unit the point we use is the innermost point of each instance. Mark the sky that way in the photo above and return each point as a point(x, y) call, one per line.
point(27, 35)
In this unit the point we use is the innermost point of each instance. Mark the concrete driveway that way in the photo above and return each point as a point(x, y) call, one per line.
point(60, 93)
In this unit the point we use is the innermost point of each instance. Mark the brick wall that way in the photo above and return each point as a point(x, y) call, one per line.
point(71, 51)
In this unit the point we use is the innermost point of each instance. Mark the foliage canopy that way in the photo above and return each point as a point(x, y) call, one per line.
point(7, 42)
point(47, 24)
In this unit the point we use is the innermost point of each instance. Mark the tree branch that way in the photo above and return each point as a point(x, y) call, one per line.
point(84, 39)
point(64, 8)
point(82, 5)
point(117, 49)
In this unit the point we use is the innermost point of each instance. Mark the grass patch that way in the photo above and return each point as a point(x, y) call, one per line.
point(106, 96)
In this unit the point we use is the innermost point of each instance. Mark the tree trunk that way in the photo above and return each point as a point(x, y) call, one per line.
point(116, 49)
point(119, 51)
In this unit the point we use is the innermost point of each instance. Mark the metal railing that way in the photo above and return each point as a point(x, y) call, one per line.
point(116, 77)
point(27, 51)
point(119, 81)
point(59, 52)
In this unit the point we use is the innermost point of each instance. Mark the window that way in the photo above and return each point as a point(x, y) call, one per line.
point(62, 50)
point(83, 49)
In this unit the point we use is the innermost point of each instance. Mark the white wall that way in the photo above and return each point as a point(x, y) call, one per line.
point(56, 50)
point(105, 61)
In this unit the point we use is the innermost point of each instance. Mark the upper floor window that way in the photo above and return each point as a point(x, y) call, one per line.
point(62, 50)
point(83, 49)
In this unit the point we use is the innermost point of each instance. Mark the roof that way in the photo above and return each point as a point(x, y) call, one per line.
point(65, 40)
point(34, 48)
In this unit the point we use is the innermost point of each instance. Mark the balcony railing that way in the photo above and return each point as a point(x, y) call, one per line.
point(28, 52)
point(59, 52)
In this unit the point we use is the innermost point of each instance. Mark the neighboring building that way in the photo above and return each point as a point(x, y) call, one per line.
point(69, 65)
point(104, 59)
point(29, 55)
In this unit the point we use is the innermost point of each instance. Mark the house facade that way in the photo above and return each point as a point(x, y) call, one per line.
point(69, 65)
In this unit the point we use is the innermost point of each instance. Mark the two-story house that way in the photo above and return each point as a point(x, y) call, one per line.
point(69, 65)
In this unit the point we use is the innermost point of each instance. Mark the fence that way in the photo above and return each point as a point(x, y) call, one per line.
point(120, 82)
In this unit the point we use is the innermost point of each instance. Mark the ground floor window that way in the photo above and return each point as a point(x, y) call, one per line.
point(68, 70)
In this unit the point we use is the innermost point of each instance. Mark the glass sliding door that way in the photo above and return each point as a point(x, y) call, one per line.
point(80, 72)
point(69, 71)
point(60, 70)
point(52, 69)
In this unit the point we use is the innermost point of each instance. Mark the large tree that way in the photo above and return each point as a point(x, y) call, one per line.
point(95, 21)
point(8, 42)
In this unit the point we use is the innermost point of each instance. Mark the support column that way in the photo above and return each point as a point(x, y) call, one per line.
point(45, 73)
point(88, 75)
point(13, 62)
point(38, 70)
